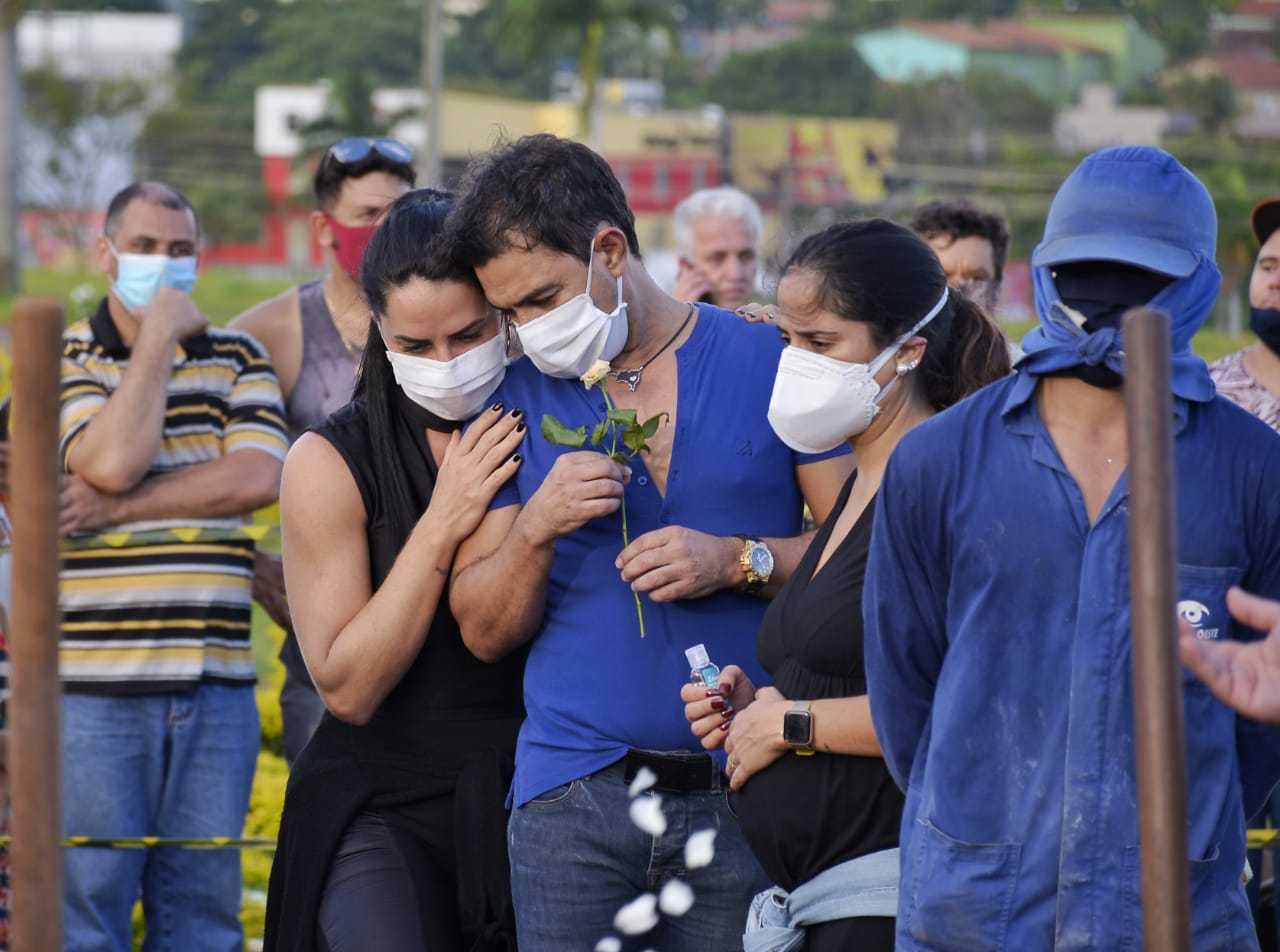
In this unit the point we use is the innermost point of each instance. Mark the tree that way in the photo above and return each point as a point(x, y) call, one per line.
point(819, 75)
point(950, 120)
point(528, 28)
point(83, 123)
point(977, 10)
point(10, 116)
point(1211, 99)
point(1181, 25)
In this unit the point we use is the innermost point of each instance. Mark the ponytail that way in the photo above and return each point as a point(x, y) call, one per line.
point(971, 353)
point(376, 386)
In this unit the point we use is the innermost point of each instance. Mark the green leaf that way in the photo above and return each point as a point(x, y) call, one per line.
point(555, 432)
point(598, 433)
point(634, 440)
point(651, 425)
point(622, 417)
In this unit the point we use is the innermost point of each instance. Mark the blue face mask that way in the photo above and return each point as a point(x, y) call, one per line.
point(139, 277)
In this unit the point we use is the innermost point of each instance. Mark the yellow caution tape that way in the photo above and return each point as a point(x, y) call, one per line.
point(1263, 839)
point(147, 842)
point(1255, 840)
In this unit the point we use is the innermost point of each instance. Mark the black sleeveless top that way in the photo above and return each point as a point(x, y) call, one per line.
point(803, 815)
point(445, 682)
point(440, 744)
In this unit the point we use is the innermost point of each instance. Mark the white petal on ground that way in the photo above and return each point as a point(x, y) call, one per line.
point(645, 778)
point(646, 813)
point(700, 850)
point(676, 898)
point(638, 916)
point(609, 944)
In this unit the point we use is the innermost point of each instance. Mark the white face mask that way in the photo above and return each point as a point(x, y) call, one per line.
point(455, 389)
point(819, 402)
point(567, 340)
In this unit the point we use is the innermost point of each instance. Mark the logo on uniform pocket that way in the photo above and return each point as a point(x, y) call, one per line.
point(1197, 616)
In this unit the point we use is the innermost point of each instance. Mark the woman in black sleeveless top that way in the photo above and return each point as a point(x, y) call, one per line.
point(393, 832)
point(820, 802)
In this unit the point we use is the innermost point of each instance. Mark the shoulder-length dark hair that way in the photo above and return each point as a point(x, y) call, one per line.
point(408, 244)
point(884, 275)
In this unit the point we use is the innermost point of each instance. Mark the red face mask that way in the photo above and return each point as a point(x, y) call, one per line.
point(350, 244)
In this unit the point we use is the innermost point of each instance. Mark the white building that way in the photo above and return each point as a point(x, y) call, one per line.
point(1099, 121)
point(100, 46)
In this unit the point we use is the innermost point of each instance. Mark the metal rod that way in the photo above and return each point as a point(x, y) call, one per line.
point(433, 90)
point(34, 764)
point(1157, 685)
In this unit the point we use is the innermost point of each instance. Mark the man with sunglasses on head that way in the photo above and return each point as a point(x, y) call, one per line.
point(315, 334)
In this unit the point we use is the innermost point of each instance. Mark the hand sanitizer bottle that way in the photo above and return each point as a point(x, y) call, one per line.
point(702, 668)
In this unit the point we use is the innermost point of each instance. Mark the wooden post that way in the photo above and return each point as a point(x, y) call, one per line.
point(1157, 683)
point(34, 761)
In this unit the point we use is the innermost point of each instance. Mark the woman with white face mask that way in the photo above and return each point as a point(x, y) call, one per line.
point(392, 832)
point(876, 345)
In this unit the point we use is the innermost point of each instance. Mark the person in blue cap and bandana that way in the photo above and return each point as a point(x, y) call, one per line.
point(997, 600)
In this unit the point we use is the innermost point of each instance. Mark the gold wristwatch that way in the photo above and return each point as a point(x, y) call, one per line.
point(757, 564)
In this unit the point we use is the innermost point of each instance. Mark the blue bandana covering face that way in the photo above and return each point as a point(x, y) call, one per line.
point(1137, 206)
point(1060, 342)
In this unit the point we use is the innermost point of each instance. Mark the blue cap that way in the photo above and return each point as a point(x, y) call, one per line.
point(1133, 204)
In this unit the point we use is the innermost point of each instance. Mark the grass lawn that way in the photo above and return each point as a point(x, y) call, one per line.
point(221, 293)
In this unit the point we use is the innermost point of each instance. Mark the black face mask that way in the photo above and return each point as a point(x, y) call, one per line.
point(1103, 291)
point(1265, 322)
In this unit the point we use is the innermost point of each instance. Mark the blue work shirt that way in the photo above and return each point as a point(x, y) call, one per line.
point(998, 664)
point(593, 688)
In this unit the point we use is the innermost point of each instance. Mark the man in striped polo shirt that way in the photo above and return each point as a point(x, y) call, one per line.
point(171, 433)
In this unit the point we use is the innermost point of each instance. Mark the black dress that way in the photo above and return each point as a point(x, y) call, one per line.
point(434, 762)
point(803, 815)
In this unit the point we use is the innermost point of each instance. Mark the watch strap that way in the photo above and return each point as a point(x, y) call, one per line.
point(754, 583)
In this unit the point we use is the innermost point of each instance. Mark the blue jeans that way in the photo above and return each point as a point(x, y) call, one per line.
point(576, 859)
point(174, 765)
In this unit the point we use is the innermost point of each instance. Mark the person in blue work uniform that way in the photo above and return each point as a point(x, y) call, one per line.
point(997, 600)
point(714, 513)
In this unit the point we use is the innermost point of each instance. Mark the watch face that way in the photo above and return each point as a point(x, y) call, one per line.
point(761, 561)
point(795, 727)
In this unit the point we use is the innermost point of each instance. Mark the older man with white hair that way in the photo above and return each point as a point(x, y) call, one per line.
point(718, 232)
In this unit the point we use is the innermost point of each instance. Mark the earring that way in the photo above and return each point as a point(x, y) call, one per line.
point(907, 368)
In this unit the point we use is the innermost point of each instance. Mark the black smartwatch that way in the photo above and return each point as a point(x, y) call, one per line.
point(797, 728)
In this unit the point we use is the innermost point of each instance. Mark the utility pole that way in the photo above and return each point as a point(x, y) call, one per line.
point(432, 89)
point(10, 117)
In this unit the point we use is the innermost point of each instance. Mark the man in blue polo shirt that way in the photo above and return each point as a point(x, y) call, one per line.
point(997, 600)
point(714, 512)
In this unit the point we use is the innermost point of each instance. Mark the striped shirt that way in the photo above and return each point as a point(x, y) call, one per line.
point(150, 611)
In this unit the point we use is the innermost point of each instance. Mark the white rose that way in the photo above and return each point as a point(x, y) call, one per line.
point(595, 373)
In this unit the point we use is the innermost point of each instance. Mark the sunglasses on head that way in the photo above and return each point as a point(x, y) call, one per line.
point(357, 149)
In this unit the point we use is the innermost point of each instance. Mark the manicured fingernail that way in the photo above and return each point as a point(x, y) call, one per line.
point(715, 693)
point(517, 413)
point(496, 408)
point(717, 704)
point(516, 458)
point(727, 714)
point(726, 725)
point(519, 427)
point(725, 690)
